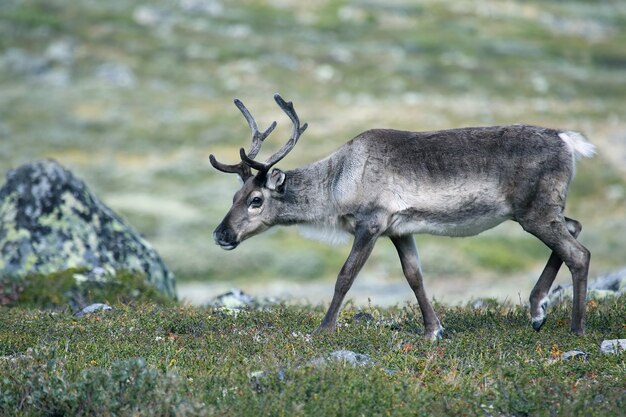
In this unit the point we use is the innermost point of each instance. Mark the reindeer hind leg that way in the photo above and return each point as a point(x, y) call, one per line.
point(539, 294)
point(556, 233)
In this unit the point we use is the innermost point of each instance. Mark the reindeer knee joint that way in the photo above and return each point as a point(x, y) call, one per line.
point(574, 227)
point(373, 228)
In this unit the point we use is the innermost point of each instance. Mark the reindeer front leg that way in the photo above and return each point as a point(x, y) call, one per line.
point(364, 241)
point(409, 258)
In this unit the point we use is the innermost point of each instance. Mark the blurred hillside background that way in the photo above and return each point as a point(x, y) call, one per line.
point(134, 96)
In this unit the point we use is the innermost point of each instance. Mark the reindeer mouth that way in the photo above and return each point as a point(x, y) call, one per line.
point(227, 246)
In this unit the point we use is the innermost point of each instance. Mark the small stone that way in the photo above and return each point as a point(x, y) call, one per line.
point(257, 374)
point(257, 378)
point(614, 281)
point(233, 299)
point(363, 317)
point(605, 286)
point(613, 346)
point(92, 309)
point(350, 357)
point(574, 354)
point(346, 356)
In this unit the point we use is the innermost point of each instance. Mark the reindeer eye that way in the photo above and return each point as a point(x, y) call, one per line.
point(256, 202)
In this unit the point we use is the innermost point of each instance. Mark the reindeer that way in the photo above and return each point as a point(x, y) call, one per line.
point(393, 183)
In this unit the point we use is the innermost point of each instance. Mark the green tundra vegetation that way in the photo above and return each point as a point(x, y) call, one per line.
point(157, 360)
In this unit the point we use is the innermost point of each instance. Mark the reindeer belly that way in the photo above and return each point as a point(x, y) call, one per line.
point(464, 210)
point(415, 222)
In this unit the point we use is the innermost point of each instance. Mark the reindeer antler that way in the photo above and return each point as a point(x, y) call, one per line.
point(257, 139)
point(247, 159)
point(296, 131)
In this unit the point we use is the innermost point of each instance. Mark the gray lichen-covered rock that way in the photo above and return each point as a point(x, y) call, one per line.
point(574, 354)
point(50, 221)
point(609, 285)
point(236, 299)
point(92, 308)
point(613, 346)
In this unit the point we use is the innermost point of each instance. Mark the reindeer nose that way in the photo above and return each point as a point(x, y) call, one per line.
point(224, 238)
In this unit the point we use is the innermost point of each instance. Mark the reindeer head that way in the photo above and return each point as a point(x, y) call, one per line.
point(256, 204)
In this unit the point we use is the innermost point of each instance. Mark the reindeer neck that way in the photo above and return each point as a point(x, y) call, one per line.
point(308, 197)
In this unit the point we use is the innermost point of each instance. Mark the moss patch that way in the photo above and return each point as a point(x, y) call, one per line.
point(76, 288)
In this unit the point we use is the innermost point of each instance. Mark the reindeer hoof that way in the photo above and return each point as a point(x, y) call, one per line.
point(434, 335)
point(324, 330)
point(540, 320)
point(578, 331)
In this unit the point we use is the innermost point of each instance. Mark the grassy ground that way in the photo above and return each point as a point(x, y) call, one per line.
point(133, 97)
point(143, 359)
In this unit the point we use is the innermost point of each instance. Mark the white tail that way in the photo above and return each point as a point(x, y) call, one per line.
point(578, 144)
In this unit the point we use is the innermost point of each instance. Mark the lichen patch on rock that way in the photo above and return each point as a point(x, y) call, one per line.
point(50, 221)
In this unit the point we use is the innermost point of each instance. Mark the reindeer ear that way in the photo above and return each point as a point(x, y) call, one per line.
point(276, 180)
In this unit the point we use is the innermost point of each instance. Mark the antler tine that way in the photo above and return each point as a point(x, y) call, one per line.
point(259, 166)
point(242, 169)
point(257, 136)
point(296, 131)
